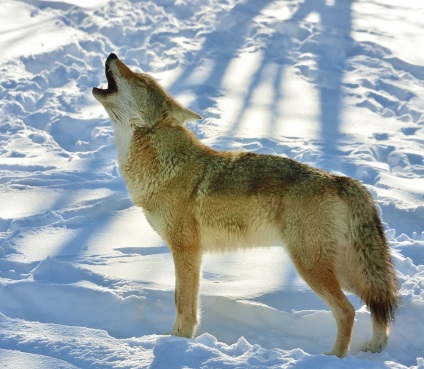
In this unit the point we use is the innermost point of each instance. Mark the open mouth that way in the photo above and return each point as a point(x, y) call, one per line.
point(111, 83)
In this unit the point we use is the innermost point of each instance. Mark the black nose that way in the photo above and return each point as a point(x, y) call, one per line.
point(112, 56)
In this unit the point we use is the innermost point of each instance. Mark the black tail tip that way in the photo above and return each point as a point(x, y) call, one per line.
point(384, 312)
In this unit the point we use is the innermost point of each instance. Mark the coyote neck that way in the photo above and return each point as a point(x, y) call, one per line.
point(123, 136)
point(155, 161)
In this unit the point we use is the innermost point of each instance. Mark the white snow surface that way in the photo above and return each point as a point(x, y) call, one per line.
point(86, 283)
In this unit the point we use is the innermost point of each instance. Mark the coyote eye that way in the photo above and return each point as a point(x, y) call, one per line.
point(141, 82)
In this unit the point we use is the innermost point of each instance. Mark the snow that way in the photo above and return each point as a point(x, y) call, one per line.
point(86, 283)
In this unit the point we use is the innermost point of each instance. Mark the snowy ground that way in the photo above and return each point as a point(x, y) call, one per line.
point(86, 283)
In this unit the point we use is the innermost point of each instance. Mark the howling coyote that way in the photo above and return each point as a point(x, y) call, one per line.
point(199, 199)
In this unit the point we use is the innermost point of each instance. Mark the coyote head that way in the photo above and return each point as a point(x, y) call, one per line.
point(135, 99)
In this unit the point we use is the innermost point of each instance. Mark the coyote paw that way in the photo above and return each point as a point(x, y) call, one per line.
point(187, 333)
point(335, 354)
point(373, 346)
point(184, 330)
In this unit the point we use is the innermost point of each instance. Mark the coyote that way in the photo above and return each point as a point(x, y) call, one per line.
point(199, 199)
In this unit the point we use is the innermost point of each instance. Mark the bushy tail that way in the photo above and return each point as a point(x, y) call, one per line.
point(377, 285)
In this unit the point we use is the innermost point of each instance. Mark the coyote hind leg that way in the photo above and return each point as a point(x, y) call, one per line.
point(325, 284)
point(379, 337)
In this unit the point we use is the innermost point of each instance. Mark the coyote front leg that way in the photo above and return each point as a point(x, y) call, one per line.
point(187, 281)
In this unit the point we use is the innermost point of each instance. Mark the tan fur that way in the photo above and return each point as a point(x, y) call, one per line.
point(199, 199)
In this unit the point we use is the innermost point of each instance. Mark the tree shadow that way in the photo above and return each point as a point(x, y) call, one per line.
point(331, 59)
point(239, 17)
point(327, 43)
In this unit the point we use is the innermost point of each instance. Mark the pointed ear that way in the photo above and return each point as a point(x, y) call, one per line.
point(182, 114)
